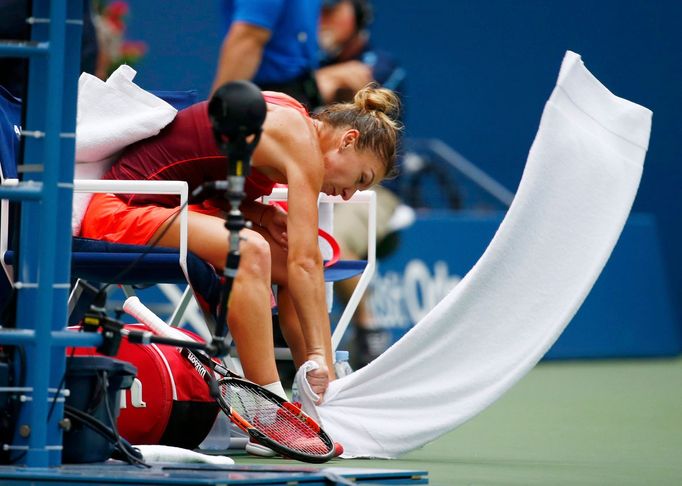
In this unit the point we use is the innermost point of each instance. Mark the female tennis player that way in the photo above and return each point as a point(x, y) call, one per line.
point(345, 148)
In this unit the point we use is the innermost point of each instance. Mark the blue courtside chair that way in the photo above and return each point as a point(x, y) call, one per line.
point(93, 260)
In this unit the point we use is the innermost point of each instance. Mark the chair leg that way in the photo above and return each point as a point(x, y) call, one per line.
point(180, 301)
point(187, 309)
point(81, 298)
point(128, 290)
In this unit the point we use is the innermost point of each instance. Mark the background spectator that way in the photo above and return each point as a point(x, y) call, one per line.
point(349, 60)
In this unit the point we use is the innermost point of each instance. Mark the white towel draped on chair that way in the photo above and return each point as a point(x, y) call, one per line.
point(577, 189)
point(111, 116)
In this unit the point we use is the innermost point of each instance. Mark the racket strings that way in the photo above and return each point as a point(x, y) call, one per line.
point(279, 424)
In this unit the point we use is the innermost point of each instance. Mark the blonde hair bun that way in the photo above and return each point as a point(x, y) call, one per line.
point(373, 98)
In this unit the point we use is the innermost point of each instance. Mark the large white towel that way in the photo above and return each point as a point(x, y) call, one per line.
point(110, 116)
point(577, 189)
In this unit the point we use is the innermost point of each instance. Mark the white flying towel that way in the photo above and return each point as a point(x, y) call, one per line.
point(161, 453)
point(577, 189)
point(110, 116)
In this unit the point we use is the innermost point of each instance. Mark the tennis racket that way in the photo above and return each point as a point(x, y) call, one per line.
point(265, 417)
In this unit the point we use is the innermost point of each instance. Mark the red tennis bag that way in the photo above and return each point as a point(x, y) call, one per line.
point(168, 403)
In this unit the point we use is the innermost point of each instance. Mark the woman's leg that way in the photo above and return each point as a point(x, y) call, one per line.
point(291, 326)
point(250, 315)
point(288, 318)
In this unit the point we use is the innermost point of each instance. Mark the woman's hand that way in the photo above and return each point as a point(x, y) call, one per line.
point(318, 378)
point(274, 219)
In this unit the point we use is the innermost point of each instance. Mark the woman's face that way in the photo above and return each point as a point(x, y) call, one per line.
point(348, 170)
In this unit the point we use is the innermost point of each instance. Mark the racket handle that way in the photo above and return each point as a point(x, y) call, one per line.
point(144, 315)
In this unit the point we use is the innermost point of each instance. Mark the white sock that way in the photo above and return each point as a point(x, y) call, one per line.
point(277, 389)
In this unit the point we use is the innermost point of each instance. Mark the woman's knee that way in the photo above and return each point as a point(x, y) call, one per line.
point(255, 254)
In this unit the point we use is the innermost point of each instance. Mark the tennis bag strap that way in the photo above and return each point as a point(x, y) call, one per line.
point(168, 403)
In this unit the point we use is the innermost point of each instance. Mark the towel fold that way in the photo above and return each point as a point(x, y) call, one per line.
point(576, 192)
point(114, 114)
point(306, 394)
point(110, 116)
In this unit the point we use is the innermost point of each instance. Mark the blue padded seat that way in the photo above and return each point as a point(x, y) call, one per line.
point(344, 269)
point(101, 261)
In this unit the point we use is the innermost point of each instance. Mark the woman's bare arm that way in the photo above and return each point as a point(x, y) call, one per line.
point(241, 53)
point(289, 145)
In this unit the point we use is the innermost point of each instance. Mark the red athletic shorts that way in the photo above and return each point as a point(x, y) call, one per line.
point(110, 219)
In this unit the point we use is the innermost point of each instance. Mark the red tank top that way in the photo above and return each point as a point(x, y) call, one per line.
point(185, 150)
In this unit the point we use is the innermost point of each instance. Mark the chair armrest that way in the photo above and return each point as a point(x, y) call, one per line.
point(145, 187)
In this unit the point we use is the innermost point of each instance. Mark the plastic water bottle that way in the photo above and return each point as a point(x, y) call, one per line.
point(295, 394)
point(341, 365)
point(219, 438)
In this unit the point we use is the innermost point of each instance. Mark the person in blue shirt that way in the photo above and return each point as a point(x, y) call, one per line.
point(274, 44)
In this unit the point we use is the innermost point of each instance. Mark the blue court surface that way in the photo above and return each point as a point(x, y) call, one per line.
point(211, 475)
